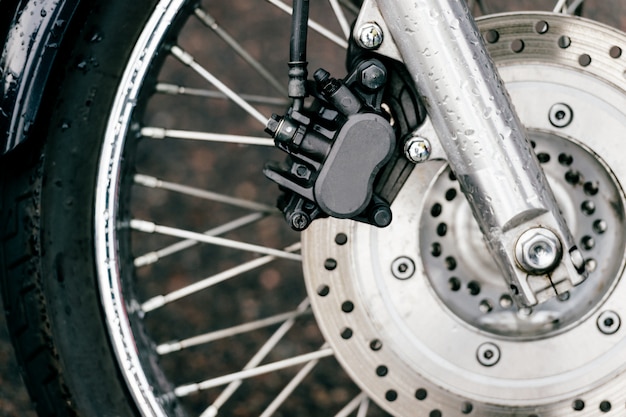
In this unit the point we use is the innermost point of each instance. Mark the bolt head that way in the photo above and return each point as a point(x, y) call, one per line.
point(373, 77)
point(561, 115)
point(538, 251)
point(370, 36)
point(417, 149)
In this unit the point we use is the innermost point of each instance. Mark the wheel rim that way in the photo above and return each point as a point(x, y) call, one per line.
point(130, 310)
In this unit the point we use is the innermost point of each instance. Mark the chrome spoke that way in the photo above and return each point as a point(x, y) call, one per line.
point(341, 17)
point(154, 256)
point(313, 25)
point(153, 182)
point(560, 6)
point(267, 347)
point(571, 9)
point(363, 407)
point(161, 133)
point(211, 23)
point(188, 60)
point(173, 89)
point(290, 387)
point(174, 346)
point(185, 390)
point(352, 405)
point(161, 300)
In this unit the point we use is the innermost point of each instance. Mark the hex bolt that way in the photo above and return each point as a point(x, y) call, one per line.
point(373, 77)
point(403, 268)
point(370, 35)
point(417, 149)
point(538, 250)
point(609, 322)
point(561, 115)
point(488, 354)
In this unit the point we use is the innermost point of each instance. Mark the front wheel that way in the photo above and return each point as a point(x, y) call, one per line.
point(147, 272)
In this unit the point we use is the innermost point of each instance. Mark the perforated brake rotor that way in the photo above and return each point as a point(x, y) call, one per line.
point(417, 313)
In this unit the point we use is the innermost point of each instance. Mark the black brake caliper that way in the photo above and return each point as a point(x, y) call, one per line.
point(336, 147)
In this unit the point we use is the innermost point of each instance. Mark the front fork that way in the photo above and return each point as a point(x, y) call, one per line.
point(484, 141)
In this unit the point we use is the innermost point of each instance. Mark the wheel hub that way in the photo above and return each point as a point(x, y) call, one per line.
point(417, 312)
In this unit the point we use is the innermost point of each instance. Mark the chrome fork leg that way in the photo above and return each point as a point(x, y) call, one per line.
point(486, 145)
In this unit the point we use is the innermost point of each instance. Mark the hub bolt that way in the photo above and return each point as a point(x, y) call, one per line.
point(538, 251)
point(561, 115)
point(488, 354)
point(609, 322)
point(403, 268)
point(370, 36)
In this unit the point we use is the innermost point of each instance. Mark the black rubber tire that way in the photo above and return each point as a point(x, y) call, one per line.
point(46, 249)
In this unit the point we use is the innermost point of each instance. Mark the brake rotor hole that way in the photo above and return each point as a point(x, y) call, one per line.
point(542, 27)
point(467, 408)
point(591, 187)
point(347, 307)
point(492, 36)
point(599, 226)
point(442, 229)
point(421, 394)
point(486, 306)
point(517, 46)
point(591, 265)
point(587, 242)
point(564, 42)
point(382, 370)
point(323, 290)
point(565, 159)
point(455, 284)
point(605, 406)
point(588, 207)
point(506, 301)
point(330, 264)
point(578, 405)
point(341, 239)
point(451, 194)
point(346, 333)
point(435, 249)
point(473, 287)
point(436, 209)
point(451, 263)
point(543, 157)
point(391, 395)
point(572, 177)
point(435, 413)
point(615, 52)
point(584, 60)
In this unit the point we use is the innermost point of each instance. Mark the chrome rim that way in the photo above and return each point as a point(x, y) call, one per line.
point(219, 286)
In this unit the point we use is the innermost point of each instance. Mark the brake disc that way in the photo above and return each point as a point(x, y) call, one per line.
point(417, 313)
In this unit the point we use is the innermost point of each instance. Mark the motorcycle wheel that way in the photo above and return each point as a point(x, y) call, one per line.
point(146, 272)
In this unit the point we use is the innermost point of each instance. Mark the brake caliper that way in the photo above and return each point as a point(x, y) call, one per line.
point(336, 148)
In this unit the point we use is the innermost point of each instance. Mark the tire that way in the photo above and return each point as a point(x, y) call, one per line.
point(106, 288)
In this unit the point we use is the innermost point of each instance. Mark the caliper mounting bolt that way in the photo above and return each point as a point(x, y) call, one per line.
point(370, 35)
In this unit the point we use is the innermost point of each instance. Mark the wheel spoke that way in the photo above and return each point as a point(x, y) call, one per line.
point(211, 23)
point(152, 182)
point(161, 300)
point(175, 346)
point(161, 133)
point(341, 17)
point(267, 347)
point(173, 89)
point(290, 387)
point(313, 25)
point(352, 405)
point(188, 60)
point(154, 256)
point(363, 407)
point(185, 390)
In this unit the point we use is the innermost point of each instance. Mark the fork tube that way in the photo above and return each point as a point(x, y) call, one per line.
point(484, 141)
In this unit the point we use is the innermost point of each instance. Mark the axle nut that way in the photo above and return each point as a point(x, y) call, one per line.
point(538, 251)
